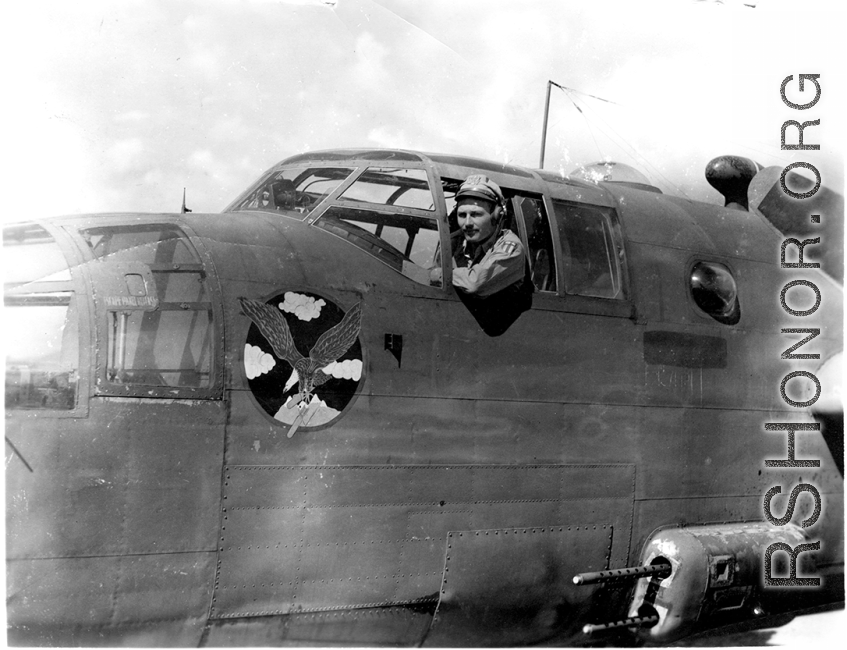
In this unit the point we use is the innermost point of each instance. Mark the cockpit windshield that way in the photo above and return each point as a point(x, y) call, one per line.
point(31, 255)
point(294, 191)
point(41, 321)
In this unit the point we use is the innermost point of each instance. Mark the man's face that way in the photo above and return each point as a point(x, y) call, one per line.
point(476, 219)
point(286, 198)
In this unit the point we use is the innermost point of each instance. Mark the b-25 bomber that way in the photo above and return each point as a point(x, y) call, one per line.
point(280, 424)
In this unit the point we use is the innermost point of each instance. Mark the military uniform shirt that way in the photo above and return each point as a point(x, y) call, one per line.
point(499, 267)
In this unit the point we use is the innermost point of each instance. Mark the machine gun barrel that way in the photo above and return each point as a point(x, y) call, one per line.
point(630, 573)
point(632, 621)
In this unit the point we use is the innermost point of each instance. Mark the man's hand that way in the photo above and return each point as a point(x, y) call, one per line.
point(435, 276)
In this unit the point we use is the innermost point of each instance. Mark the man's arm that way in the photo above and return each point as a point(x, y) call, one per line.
point(501, 267)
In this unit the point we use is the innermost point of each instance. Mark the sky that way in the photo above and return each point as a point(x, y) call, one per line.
point(118, 106)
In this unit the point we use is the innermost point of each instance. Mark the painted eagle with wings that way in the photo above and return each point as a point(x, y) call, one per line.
point(331, 345)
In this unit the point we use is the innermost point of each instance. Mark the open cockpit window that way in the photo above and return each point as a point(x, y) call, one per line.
point(294, 191)
point(41, 322)
point(534, 230)
point(153, 290)
point(388, 213)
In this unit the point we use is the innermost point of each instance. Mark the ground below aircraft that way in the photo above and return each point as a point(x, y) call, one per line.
point(279, 424)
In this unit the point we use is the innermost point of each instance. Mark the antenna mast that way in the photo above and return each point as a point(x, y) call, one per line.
point(183, 209)
point(544, 128)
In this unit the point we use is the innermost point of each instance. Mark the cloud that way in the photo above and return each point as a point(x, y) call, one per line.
point(369, 69)
point(206, 62)
point(393, 137)
point(256, 361)
point(348, 369)
point(301, 3)
point(304, 307)
point(125, 155)
point(131, 116)
point(202, 158)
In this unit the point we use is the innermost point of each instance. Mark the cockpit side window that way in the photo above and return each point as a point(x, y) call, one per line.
point(405, 242)
point(293, 192)
point(389, 213)
point(590, 251)
point(41, 322)
point(152, 289)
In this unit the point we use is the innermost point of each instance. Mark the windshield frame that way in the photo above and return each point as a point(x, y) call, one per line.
point(262, 191)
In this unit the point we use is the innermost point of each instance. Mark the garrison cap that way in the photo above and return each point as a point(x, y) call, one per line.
point(479, 186)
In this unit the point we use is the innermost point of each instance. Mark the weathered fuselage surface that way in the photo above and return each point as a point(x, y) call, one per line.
point(171, 480)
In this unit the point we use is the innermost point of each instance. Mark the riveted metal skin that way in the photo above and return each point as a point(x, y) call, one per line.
point(508, 585)
point(169, 514)
point(376, 626)
point(302, 539)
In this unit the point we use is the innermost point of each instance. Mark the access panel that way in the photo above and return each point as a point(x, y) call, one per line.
point(515, 585)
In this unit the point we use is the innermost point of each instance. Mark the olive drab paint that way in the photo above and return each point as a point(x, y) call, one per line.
point(280, 424)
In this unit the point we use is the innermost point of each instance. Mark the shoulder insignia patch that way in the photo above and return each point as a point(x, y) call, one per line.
point(508, 247)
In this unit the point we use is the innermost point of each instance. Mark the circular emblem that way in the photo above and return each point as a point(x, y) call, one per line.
point(302, 357)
